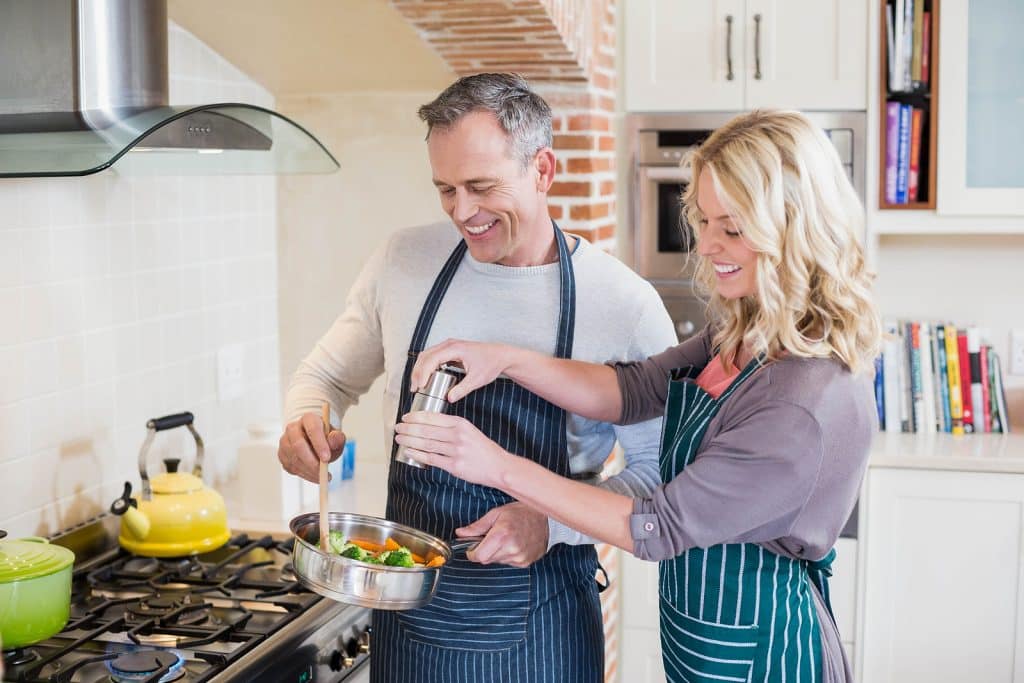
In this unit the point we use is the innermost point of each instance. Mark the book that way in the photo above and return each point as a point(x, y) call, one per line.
point(1000, 393)
point(941, 377)
point(890, 45)
point(899, 43)
point(891, 375)
point(928, 404)
point(956, 401)
point(986, 389)
point(926, 47)
point(915, 59)
point(880, 392)
point(973, 339)
point(908, 42)
point(892, 142)
point(965, 381)
point(916, 124)
point(903, 154)
point(912, 333)
point(906, 388)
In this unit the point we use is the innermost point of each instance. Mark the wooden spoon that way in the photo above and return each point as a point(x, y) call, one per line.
point(325, 541)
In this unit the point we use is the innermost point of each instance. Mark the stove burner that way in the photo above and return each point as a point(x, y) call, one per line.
point(180, 610)
point(19, 656)
point(140, 665)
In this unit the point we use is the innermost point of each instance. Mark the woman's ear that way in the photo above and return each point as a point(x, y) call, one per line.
point(544, 163)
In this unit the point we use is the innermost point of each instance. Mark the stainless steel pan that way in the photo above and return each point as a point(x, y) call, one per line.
point(369, 585)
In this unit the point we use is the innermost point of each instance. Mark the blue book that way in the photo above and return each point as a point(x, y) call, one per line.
point(880, 392)
point(940, 354)
point(903, 154)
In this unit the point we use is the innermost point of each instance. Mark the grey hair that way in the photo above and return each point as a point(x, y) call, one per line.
point(522, 114)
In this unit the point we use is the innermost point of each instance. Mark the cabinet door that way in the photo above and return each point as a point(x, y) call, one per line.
point(944, 577)
point(812, 54)
point(677, 55)
point(981, 107)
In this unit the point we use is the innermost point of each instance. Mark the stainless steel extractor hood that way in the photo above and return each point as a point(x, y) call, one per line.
point(83, 85)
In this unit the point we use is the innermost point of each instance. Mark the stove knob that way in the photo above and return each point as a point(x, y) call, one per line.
point(364, 642)
point(336, 661)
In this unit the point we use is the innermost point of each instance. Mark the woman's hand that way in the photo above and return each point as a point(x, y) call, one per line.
point(482, 363)
point(454, 445)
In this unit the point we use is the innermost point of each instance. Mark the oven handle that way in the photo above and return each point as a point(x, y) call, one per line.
point(672, 173)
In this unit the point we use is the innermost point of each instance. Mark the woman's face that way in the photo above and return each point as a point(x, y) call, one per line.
point(721, 242)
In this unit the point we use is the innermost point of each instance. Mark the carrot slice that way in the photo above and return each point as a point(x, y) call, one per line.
point(391, 544)
point(366, 545)
point(435, 561)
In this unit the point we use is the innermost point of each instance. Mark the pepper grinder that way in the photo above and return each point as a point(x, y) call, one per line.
point(432, 398)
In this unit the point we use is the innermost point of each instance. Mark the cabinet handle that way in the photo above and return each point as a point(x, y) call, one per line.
point(728, 47)
point(757, 46)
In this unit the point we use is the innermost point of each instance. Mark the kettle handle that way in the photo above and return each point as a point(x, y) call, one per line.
point(159, 424)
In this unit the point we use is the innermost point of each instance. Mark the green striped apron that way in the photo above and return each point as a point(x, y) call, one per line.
point(736, 611)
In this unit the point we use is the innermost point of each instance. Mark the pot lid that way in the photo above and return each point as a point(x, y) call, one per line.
point(176, 482)
point(28, 558)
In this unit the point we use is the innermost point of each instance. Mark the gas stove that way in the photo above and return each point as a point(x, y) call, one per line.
point(234, 614)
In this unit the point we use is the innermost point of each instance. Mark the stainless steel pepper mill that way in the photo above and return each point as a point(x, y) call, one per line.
point(432, 398)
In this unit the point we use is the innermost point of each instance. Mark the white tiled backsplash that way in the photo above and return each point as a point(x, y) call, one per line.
point(115, 295)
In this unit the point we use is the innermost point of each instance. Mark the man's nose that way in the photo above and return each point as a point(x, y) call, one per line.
point(465, 207)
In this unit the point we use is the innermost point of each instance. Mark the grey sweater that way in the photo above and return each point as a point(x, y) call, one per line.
point(780, 464)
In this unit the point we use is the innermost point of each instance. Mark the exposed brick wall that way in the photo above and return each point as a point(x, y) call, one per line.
point(566, 48)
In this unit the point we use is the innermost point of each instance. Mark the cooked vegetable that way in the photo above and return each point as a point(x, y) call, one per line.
point(435, 561)
point(337, 541)
point(399, 558)
point(393, 553)
point(353, 552)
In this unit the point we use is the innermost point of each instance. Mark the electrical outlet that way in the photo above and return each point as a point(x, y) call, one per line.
point(1017, 352)
point(230, 361)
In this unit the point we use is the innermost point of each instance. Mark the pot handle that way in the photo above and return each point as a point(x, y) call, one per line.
point(462, 545)
point(159, 424)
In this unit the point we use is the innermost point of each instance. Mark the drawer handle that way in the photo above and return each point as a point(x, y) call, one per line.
point(728, 47)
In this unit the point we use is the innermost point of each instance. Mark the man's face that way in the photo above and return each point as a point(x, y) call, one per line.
point(497, 205)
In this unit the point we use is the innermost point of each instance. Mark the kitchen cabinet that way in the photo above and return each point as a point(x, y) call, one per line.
point(707, 55)
point(980, 136)
point(943, 583)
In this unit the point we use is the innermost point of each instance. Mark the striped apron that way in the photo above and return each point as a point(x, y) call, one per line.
point(539, 624)
point(736, 611)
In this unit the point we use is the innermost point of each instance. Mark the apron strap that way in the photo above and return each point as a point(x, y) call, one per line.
point(819, 572)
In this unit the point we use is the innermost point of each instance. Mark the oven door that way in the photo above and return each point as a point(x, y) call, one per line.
point(663, 237)
point(688, 313)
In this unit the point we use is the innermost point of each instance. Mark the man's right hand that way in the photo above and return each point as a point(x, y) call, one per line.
point(303, 445)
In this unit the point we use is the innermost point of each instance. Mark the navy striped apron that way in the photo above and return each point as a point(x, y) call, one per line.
point(539, 624)
point(732, 612)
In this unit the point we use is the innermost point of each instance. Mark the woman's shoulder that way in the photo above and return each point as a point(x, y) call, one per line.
point(822, 386)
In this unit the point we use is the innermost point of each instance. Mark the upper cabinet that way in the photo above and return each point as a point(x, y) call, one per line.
point(713, 55)
point(981, 100)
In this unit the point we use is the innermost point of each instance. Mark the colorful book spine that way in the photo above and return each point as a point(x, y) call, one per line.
point(926, 47)
point(891, 375)
point(913, 335)
point(903, 154)
point(1000, 392)
point(892, 143)
point(915, 60)
point(906, 388)
point(914, 172)
point(986, 387)
point(928, 404)
point(880, 391)
point(956, 405)
point(942, 377)
point(974, 360)
point(965, 381)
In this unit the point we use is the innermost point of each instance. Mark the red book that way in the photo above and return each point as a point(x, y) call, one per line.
point(916, 121)
point(986, 390)
point(926, 46)
point(965, 380)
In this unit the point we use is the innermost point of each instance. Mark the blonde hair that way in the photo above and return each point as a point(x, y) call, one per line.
point(780, 179)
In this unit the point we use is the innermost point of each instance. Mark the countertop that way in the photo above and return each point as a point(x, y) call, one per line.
point(967, 453)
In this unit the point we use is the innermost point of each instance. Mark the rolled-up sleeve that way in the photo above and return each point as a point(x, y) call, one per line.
point(748, 484)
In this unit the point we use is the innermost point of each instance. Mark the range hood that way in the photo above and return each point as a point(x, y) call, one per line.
point(83, 86)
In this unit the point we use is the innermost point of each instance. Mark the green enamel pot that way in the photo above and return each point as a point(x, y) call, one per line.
point(35, 590)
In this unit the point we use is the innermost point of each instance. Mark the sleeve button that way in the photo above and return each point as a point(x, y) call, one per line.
point(649, 526)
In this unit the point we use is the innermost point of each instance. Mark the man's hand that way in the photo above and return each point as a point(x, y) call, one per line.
point(304, 444)
point(514, 534)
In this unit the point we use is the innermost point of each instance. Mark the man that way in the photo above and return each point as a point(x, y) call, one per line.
point(523, 605)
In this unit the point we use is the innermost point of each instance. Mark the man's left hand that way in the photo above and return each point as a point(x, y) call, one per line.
point(514, 534)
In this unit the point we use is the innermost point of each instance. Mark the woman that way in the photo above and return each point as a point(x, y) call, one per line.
point(768, 414)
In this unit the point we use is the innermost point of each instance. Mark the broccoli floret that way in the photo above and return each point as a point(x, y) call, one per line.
point(399, 558)
point(337, 541)
point(353, 552)
point(370, 559)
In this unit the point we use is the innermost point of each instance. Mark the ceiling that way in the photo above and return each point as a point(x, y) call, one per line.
point(302, 47)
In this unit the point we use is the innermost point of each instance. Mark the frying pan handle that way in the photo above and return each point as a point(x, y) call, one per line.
point(462, 545)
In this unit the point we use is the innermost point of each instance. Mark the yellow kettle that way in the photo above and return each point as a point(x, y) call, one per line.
point(177, 514)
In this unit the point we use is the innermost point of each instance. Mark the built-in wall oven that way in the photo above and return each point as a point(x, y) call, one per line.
point(658, 241)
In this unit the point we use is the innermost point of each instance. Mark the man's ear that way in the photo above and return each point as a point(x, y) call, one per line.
point(544, 162)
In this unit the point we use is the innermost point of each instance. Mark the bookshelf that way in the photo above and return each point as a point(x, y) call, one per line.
point(922, 96)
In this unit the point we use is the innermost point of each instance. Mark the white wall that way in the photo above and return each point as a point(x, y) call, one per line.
point(329, 225)
point(116, 293)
